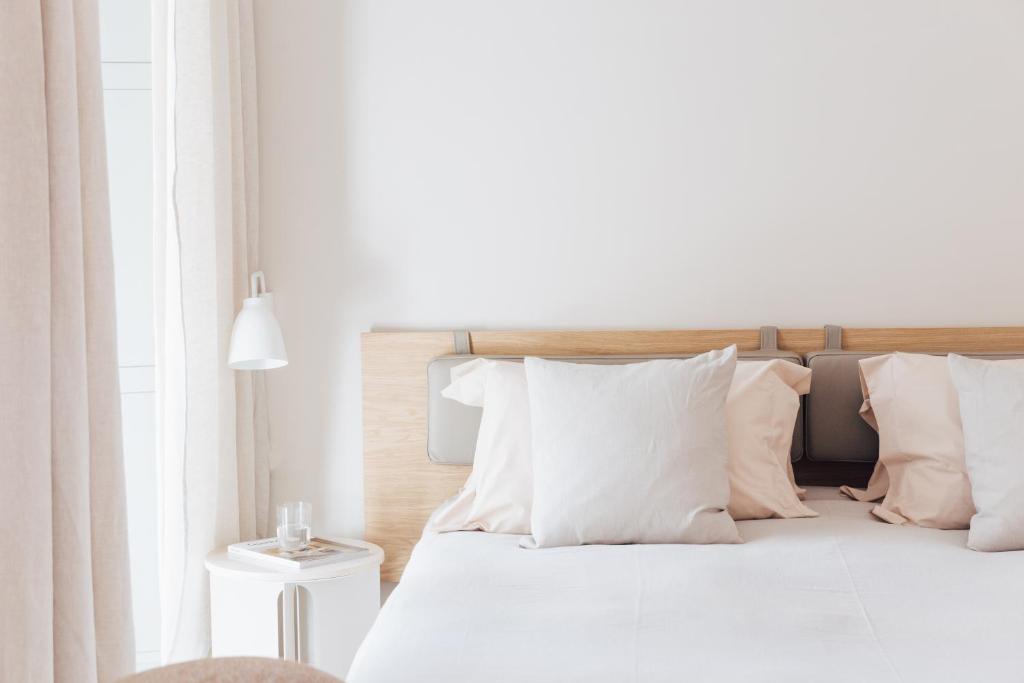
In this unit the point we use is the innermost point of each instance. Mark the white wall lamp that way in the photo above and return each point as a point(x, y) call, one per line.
point(256, 341)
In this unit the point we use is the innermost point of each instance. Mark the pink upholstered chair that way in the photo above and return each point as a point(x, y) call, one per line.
point(233, 670)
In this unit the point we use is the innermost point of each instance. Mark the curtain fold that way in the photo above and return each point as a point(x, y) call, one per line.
point(65, 581)
point(211, 422)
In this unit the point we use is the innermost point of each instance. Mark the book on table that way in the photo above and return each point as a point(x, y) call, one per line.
point(320, 551)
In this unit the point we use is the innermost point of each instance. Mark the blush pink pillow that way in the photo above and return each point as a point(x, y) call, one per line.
point(761, 412)
point(921, 475)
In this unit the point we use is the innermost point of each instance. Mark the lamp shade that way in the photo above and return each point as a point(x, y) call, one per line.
point(256, 340)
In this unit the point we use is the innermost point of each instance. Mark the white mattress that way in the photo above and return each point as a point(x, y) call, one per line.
point(843, 597)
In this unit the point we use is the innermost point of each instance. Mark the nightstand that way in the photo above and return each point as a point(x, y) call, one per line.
point(318, 616)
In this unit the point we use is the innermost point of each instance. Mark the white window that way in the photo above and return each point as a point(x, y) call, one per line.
point(125, 47)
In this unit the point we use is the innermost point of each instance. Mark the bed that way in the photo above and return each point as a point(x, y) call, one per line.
point(840, 597)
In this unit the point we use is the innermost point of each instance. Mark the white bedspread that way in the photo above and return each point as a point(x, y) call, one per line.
point(843, 597)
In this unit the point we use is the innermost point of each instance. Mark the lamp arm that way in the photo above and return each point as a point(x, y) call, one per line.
point(257, 281)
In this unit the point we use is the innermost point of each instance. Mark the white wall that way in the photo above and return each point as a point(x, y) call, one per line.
point(648, 164)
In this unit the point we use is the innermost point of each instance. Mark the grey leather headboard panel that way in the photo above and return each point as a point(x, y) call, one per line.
point(835, 431)
point(452, 426)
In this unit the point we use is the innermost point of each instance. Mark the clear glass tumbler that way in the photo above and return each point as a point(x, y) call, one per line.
point(293, 523)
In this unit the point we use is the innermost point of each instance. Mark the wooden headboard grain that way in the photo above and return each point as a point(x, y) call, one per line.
point(402, 487)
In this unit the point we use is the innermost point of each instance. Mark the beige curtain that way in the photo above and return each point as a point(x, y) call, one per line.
point(65, 612)
point(211, 423)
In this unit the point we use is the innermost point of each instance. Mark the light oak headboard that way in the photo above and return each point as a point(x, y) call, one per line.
point(402, 487)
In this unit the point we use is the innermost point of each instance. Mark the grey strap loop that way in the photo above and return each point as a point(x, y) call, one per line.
point(833, 338)
point(769, 338)
point(462, 344)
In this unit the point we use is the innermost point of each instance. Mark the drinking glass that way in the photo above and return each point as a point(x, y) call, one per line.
point(293, 522)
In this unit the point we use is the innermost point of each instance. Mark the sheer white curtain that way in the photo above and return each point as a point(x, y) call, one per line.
point(65, 601)
point(211, 424)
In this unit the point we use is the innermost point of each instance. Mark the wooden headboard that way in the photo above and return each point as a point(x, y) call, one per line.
point(402, 487)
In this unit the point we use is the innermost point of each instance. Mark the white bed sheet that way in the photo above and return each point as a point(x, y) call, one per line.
point(842, 597)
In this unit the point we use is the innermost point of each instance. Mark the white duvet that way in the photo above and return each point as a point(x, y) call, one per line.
point(843, 597)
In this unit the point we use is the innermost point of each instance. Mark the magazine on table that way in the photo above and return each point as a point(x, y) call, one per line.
point(319, 551)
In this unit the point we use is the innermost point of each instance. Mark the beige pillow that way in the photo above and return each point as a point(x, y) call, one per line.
point(761, 410)
point(921, 475)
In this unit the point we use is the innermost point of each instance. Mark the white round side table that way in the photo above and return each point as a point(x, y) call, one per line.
point(318, 616)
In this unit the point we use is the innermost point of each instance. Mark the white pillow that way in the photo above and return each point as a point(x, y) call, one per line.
point(497, 495)
point(630, 453)
point(992, 412)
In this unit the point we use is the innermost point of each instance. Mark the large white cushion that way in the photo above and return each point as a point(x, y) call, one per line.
point(992, 411)
point(630, 453)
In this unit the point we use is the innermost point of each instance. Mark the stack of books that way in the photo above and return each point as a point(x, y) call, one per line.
point(319, 551)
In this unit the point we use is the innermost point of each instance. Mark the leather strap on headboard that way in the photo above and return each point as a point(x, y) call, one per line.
point(463, 344)
point(833, 338)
